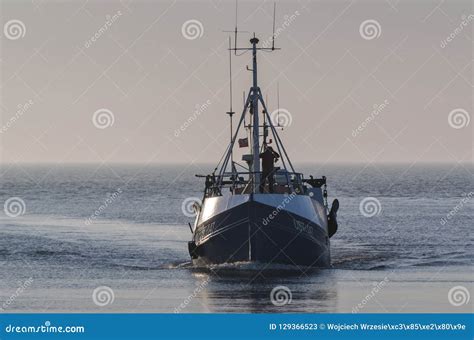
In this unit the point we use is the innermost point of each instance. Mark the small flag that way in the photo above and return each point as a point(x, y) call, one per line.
point(243, 142)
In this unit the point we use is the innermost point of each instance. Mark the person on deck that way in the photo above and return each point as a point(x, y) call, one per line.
point(269, 157)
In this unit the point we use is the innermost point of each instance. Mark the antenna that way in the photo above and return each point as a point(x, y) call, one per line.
point(273, 35)
point(278, 104)
point(230, 77)
point(230, 113)
point(235, 32)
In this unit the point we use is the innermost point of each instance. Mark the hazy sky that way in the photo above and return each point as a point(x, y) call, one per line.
point(135, 62)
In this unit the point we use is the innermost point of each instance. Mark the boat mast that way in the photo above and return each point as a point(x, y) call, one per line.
point(251, 104)
point(255, 127)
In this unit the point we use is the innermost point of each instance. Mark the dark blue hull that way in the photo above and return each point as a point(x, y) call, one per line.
point(247, 233)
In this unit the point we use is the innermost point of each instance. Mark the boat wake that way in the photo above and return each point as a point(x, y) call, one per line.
point(253, 269)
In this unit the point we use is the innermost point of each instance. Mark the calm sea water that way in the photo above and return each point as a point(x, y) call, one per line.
point(123, 227)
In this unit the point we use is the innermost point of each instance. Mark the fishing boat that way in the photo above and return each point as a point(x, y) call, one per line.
point(250, 214)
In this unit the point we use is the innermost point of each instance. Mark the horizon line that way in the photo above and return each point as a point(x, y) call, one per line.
point(413, 163)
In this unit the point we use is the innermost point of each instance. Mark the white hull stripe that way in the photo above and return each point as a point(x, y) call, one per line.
point(300, 205)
